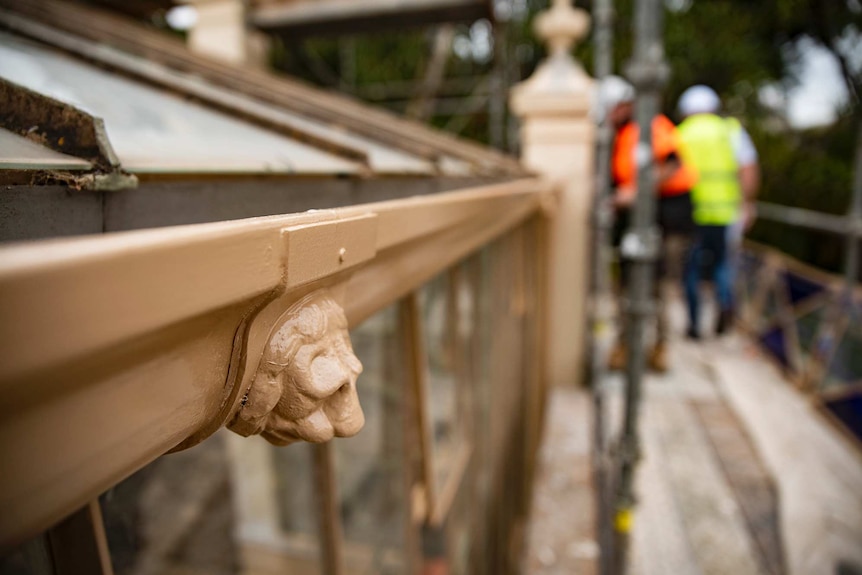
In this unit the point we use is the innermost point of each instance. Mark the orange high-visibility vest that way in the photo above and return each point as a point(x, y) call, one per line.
point(665, 142)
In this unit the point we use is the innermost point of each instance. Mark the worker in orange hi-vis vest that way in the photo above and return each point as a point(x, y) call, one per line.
point(674, 210)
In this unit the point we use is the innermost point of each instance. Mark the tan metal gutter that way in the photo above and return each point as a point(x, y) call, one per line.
point(119, 348)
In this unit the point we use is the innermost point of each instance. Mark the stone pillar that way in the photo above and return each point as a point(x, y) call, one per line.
point(220, 30)
point(558, 141)
point(221, 33)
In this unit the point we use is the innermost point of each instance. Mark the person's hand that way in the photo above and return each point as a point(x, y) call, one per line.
point(749, 215)
point(625, 196)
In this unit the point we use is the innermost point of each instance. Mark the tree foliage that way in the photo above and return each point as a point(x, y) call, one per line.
point(735, 46)
point(740, 46)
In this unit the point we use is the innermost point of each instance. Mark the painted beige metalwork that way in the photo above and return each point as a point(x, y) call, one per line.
point(120, 348)
point(305, 385)
point(557, 141)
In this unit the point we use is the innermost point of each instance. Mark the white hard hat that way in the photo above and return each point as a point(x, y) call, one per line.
point(612, 91)
point(699, 99)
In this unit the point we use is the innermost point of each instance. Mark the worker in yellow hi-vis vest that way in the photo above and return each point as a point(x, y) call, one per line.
point(726, 161)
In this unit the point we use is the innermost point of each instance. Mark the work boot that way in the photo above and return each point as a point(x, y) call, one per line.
point(725, 321)
point(618, 357)
point(658, 358)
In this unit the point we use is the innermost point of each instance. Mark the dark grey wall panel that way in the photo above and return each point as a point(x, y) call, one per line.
point(158, 204)
point(379, 190)
point(29, 213)
point(445, 184)
point(52, 211)
point(155, 205)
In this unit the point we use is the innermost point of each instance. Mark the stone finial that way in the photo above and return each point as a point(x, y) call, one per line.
point(305, 385)
point(561, 26)
point(559, 85)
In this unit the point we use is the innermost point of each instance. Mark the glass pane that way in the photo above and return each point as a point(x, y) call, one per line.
point(442, 302)
point(370, 467)
point(230, 505)
point(468, 523)
point(770, 307)
point(775, 342)
point(175, 514)
point(746, 282)
point(847, 408)
point(459, 537)
point(853, 315)
point(155, 131)
point(749, 266)
point(30, 558)
point(808, 326)
point(800, 287)
point(498, 492)
point(846, 364)
point(299, 548)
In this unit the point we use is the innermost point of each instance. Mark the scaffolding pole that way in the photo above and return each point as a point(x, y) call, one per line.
point(851, 253)
point(648, 72)
point(603, 16)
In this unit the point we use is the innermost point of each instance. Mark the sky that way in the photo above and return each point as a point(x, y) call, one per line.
point(821, 91)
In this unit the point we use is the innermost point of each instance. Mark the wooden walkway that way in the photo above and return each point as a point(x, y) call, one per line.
point(740, 476)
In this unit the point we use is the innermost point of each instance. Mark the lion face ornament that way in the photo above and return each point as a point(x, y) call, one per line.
point(305, 385)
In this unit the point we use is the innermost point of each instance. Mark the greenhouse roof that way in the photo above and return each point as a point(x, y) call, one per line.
point(166, 110)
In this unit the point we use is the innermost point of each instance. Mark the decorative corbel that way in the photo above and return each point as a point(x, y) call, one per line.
point(305, 384)
point(293, 372)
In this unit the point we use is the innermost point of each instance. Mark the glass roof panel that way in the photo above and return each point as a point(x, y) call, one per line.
point(154, 131)
point(19, 153)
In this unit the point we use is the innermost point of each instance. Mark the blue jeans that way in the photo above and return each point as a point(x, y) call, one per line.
point(708, 260)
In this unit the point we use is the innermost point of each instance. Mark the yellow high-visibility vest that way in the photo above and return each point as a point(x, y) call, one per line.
point(707, 144)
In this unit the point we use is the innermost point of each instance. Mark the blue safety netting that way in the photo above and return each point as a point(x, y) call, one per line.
point(808, 325)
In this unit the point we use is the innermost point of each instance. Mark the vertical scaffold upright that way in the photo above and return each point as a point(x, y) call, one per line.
point(648, 72)
point(603, 16)
point(854, 213)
